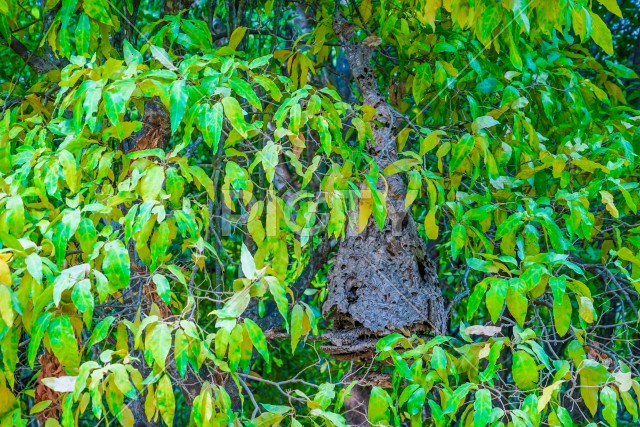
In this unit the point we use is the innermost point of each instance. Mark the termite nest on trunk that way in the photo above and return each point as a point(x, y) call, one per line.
point(381, 282)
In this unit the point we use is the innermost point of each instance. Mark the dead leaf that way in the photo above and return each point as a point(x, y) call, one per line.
point(624, 380)
point(372, 41)
point(488, 331)
point(65, 384)
point(484, 352)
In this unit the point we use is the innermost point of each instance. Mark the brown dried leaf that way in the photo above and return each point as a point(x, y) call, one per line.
point(372, 41)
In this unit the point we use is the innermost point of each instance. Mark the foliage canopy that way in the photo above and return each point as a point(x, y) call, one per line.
point(181, 182)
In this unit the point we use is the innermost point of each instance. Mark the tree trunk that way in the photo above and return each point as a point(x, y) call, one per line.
point(381, 280)
point(355, 407)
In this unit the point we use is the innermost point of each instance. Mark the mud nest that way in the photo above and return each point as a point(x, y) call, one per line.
point(381, 283)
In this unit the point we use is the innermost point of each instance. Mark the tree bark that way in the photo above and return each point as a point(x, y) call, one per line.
point(39, 64)
point(382, 280)
point(355, 407)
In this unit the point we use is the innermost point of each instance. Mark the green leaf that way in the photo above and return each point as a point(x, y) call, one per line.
point(236, 37)
point(98, 10)
point(235, 115)
point(235, 306)
point(325, 135)
point(116, 97)
point(179, 96)
point(160, 244)
point(34, 266)
point(6, 310)
point(37, 332)
point(295, 118)
point(476, 298)
point(517, 302)
point(482, 407)
point(438, 359)
point(260, 62)
point(460, 152)
point(416, 401)
point(82, 297)
point(458, 239)
point(483, 122)
point(592, 376)
point(562, 314)
point(257, 338)
point(116, 264)
point(585, 309)
point(158, 344)
point(203, 180)
point(151, 183)
point(610, 411)
point(379, 403)
point(422, 82)
point(87, 235)
point(245, 90)
point(268, 85)
point(524, 370)
point(601, 34)
point(558, 286)
point(630, 405)
point(210, 124)
point(489, 21)
point(121, 380)
point(612, 6)
point(496, 297)
point(100, 332)
point(39, 407)
point(279, 295)
point(181, 352)
point(165, 400)
point(458, 397)
point(63, 342)
point(297, 315)
point(15, 215)
point(83, 34)
point(5, 30)
point(162, 287)
point(131, 55)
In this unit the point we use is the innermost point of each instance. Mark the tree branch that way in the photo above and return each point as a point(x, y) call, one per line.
point(271, 319)
point(39, 64)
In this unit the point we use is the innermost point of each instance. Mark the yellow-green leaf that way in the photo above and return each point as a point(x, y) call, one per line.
point(524, 370)
point(236, 37)
point(165, 400)
point(116, 264)
point(63, 341)
point(612, 6)
point(601, 33)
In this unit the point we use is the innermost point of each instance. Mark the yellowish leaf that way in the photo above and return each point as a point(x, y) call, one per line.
point(236, 37)
point(5, 273)
point(601, 34)
point(430, 224)
point(546, 395)
point(607, 199)
point(612, 6)
point(366, 203)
